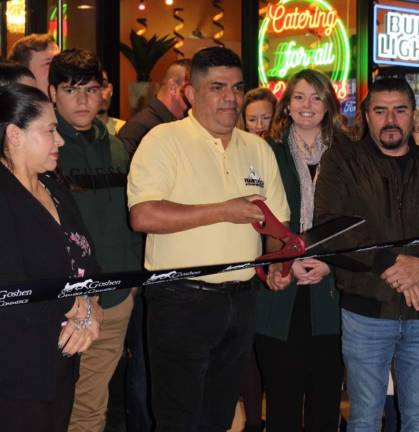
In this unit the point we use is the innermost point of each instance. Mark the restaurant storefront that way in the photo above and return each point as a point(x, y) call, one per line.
point(352, 41)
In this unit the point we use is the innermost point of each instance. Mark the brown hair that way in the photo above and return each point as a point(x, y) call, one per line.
point(258, 94)
point(21, 51)
point(331, 122)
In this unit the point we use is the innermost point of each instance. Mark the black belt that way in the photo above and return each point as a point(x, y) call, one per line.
point(231, 287)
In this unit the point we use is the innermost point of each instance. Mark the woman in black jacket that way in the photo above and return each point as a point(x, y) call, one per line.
point(42, 237)
point(298, 329)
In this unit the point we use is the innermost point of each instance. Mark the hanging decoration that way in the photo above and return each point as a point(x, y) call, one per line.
point(216, 21)
point(141, 6)
point(178, 27)
point(16, 16)
point(143, 22)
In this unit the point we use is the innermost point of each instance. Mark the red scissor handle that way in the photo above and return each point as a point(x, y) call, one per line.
point(293, 243)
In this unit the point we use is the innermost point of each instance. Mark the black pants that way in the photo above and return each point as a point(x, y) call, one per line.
point(18, 415)
point(251, 391)
point(198, 344)
point(139, 417)
point(301, 379)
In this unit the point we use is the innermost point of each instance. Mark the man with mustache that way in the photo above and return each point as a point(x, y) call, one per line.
point(378, 178)
point(191, 187)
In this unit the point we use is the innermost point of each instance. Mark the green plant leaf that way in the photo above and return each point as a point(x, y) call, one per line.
point(128, 53)
point(144, 54)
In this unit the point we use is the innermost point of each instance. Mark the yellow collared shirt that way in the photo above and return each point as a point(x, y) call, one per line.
point(183, 163)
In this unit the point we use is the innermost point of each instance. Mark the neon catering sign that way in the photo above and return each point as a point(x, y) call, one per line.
point(301, 34)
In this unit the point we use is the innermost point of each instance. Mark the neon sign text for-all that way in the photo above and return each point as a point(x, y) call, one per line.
point(289, 56)
point(297, 34)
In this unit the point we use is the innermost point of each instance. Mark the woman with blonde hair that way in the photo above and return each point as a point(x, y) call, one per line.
point(298, 329)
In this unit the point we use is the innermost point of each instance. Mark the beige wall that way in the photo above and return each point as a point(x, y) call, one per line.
point(197, 15)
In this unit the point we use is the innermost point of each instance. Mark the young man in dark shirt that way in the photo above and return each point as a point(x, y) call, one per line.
point(95, 166)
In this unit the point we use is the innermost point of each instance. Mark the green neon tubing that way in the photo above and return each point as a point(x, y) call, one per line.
point(343, 52)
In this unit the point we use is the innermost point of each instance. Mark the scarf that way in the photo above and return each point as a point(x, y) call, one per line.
point(305, 155)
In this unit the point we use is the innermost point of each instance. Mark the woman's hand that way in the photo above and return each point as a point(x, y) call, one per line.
point(274, 278)
point(309, 271)
point(82, 327)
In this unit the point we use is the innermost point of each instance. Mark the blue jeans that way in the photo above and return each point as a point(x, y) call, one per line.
point(369, 345)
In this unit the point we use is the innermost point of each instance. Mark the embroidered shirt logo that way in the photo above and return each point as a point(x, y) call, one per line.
point(253, 179)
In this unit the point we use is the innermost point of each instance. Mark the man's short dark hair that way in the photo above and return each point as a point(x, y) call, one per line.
point(75, 66)
point(390, 85)
point(11, 72)
point(185, 62)
point(179, 70)
point(213, 57)
point(22, 49)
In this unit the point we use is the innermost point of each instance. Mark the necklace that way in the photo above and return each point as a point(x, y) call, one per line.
point(311, 154)
point(307, 149)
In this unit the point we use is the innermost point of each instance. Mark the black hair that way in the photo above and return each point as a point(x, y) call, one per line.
point(388, 84)
point(184, 62)
point(213, 57)
point(11, 72)
point(75, 66)
point(20, 104)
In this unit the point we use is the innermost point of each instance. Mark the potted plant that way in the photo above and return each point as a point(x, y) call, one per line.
point(143, 54)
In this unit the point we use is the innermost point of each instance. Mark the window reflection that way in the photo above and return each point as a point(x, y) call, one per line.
point(79, 23)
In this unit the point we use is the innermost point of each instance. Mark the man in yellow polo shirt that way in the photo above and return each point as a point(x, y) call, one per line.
point(191, 187)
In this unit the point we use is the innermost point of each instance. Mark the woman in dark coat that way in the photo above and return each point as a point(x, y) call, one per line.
point(298, 329)
point(42, 237)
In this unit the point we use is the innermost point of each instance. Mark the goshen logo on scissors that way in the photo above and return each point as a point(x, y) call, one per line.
point(253, 179)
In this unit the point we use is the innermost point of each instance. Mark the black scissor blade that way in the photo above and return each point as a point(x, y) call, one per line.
point(328, 230)
point(347, 263)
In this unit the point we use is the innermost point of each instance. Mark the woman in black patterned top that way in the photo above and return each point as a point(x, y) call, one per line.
point(42, 236)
